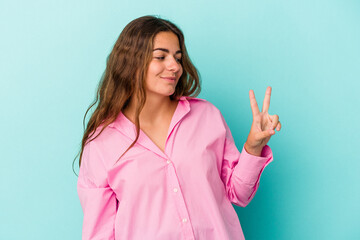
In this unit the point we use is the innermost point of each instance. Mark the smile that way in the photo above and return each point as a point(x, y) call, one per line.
point(169, 78)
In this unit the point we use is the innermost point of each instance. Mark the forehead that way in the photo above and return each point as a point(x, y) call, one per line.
point(166, 39)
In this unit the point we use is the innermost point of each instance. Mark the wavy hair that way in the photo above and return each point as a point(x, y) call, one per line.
point(125, 73)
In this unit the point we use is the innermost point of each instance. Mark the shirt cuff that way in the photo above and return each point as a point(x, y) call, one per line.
point(250, 167)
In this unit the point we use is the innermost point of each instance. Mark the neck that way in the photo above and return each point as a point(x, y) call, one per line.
point(156, 108)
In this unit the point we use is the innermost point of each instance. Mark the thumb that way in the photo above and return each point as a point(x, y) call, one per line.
point(266, 133)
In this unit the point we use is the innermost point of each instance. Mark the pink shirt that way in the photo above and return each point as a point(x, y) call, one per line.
point(184, 192)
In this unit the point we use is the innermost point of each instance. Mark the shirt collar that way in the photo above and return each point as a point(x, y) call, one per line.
point(126, 127)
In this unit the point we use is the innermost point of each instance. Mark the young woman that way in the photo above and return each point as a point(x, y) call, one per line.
point(156, 162)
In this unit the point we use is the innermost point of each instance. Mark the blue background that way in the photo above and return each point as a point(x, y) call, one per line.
point(53, 54)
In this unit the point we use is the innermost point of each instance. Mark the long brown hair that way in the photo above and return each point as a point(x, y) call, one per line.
point(125, 73)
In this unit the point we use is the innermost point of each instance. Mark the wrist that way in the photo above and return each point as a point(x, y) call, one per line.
point(253, 151)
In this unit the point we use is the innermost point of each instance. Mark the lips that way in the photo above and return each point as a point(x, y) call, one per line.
point(169, 78)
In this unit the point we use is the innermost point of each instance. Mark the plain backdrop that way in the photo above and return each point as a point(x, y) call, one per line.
point(53, 54)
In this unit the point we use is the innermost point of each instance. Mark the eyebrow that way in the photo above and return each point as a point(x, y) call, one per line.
point(166, 50)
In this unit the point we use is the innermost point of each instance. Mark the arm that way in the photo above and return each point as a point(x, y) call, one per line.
point(97, 199)
point(241, 172)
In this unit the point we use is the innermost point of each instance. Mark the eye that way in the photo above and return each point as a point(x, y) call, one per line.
point(160, 58)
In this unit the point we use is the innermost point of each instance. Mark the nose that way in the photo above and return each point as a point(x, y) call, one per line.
point(173, 65)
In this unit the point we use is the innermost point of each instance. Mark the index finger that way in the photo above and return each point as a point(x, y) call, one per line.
point(253, 103)
point(266, 103)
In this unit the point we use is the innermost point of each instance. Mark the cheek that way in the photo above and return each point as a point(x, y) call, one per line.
point(152, 71)
point(154, 68)
point(179, 74)
point(180, 71)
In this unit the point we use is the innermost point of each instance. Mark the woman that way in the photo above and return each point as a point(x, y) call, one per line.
point(157, 162)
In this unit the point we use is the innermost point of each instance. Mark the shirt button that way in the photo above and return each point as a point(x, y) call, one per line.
point(184, 220)
point(168, 161)
point(175, 189)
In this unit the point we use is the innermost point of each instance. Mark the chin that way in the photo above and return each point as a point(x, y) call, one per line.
point(168, 93)
point(162, 94)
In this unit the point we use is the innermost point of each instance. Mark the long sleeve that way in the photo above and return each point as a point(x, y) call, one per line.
point(97, 199)
point(241, 172)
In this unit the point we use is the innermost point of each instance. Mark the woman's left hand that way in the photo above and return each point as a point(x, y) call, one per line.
point(263, 124)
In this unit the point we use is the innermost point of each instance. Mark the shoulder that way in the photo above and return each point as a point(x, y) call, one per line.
point(200, 102)
point(108, 143)
point(204, 112)
point(202, 106)
point(103, 135)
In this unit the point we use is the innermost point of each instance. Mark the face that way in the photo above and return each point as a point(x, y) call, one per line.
point(165, 67)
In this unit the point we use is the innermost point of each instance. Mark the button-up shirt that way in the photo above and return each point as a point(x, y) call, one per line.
point(184, 192)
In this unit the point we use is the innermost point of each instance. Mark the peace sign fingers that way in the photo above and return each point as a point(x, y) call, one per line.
point(263, 126)
point(253, 103)
point(266, 103)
